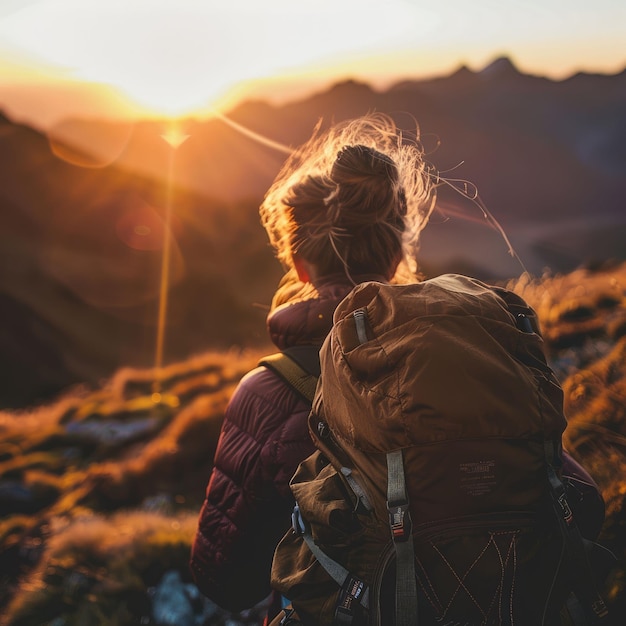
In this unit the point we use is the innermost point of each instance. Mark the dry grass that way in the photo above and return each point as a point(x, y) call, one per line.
point(102, 488)
point(97, 569)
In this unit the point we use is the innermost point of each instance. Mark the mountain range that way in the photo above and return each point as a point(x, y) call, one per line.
point(83, 211)
point(540, 152)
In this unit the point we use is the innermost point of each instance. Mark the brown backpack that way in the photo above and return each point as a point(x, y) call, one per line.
point(435, 493)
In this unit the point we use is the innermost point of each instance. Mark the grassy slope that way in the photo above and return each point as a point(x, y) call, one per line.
point(100, 490)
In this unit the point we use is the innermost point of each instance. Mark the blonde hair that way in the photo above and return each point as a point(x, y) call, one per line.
point(353, 198)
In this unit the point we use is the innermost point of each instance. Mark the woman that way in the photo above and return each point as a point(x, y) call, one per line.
point(347, 207)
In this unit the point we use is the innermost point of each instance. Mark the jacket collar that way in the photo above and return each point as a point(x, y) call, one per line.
point(302, 313)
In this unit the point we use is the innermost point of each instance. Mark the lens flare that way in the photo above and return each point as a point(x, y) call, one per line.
point(89, 143)
point(141, 228)
point(175, 138)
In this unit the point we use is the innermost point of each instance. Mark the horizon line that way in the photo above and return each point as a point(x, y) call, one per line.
point(296, 88)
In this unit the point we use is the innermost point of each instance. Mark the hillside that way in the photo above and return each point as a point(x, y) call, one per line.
point(81, 252)
point(100, 490)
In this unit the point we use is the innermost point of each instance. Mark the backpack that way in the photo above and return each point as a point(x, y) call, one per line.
point(435, 493)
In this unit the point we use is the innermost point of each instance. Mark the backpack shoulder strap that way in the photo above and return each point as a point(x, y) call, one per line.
point(298, 366)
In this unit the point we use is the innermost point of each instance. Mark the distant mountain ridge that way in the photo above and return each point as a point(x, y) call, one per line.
point(81, 245)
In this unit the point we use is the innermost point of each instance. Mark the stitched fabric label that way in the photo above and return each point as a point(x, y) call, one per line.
point(478, 478)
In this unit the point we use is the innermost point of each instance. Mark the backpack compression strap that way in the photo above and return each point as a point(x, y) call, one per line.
point(402, 535)
point(298, 366)
point(353, 590)
point(585, 588)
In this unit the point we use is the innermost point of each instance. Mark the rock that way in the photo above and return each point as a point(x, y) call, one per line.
point(16, 498)
point(171, 605)
point(159, 503)
point(112, 432)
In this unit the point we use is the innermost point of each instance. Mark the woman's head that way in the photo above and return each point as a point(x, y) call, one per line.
point(352, 200)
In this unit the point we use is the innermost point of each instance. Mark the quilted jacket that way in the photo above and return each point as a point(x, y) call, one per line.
point(264, 438)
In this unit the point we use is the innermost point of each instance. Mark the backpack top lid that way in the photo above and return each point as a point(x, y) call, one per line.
point(441, 360)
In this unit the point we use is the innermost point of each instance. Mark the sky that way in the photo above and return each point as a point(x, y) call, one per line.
point(175, 57)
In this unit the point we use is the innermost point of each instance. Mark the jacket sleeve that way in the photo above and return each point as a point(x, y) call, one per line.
point(248, 503)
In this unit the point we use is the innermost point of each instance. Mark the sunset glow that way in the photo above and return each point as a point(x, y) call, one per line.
point(177, 57)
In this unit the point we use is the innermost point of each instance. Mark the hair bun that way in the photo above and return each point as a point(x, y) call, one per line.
point(362, 161)
point(353, 198)
point(367, 190)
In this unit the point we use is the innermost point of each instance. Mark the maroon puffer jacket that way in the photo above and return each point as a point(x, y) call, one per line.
point(264, 437)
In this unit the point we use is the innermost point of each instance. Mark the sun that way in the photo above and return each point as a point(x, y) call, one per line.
point(177, 57)
point(155, 100)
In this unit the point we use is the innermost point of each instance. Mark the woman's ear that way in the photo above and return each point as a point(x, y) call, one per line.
point(301, 268)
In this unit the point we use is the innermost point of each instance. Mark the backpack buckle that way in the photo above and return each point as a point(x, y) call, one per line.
point(290, 617)
point(400, 521)
point(568, 516)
